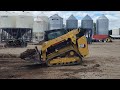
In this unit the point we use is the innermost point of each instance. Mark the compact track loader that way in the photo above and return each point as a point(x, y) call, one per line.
point(60, 48)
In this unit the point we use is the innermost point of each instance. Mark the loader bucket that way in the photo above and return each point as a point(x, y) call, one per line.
point(32, 55)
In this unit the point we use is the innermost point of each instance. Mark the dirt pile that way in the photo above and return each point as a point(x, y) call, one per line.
point(27, 53)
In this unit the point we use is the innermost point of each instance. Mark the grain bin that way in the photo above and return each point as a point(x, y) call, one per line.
point(46, 21)
point(102, 25)
point(7, 20)
point(87, 22)
point(56, 22)
point(40, 25)
point(71, 23)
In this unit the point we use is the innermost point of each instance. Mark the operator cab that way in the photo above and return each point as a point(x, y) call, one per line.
point(52, 34)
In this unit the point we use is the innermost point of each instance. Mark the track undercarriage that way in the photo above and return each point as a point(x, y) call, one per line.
point(64, 56)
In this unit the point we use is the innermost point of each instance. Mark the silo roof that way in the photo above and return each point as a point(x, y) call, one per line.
point(41, 18)
point(38, 19)
point(71, 18)
point(56, 15)
point(102, 17)
point(87, 17)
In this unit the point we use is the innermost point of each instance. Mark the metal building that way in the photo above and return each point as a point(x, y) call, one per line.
point(71, 23)
point(102, 25)
point(56, 22)
point(116, 32)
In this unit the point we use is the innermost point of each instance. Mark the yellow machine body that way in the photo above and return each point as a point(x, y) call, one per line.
point(79, 45)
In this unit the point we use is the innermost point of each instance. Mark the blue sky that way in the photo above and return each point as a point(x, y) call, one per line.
point(113, 16)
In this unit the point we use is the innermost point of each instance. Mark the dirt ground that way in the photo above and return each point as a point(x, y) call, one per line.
point(103, 62)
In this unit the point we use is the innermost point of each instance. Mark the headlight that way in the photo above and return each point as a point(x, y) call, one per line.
point(82, 45)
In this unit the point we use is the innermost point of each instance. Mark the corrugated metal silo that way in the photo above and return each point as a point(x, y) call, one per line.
point(40, 25)
point(87, 22)
point(56, 22)
point(102, 25)
point(71, 23)
point(46, 20)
